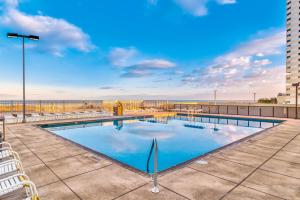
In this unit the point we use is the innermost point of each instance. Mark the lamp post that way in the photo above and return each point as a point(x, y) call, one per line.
point(215, 96)
point(254, 97)
point(30, 37)
point(297, 86)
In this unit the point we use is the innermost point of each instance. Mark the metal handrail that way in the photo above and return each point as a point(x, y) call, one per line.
point(155, 188)
point(149, 156)
point(154, 146)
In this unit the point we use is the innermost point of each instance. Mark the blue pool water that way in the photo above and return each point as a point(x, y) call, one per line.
point(179, 138)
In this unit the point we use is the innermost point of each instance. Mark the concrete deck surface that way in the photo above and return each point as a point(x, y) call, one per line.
point(266, 166)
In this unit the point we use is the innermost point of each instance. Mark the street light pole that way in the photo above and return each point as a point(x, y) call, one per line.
point(254, 96)
point(30, 37)
point(297, 86)
point(24, 103)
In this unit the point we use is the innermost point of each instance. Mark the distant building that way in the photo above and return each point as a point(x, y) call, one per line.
point(292, 49)
point(281, 98)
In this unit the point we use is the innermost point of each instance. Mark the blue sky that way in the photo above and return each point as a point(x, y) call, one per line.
point(153, 49)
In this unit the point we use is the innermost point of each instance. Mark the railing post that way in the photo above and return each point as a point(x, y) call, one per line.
point(11, 107)
point(248, 110)
point(260, 111)
point(155, 188)
point(40, 106)
point(64, 106)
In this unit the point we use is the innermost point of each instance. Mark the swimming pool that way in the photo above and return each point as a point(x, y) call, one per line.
point(180, 138)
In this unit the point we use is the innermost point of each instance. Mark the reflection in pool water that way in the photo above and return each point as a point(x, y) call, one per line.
point(180, 138)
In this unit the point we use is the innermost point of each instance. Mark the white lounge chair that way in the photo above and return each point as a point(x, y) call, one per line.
point(7, 152)
point(68, 115)
point(58, 116)
point(106, 113)
point(199, 110)
point(49, 116)
point(16, 182)
point(11, 166)
point(77, 114)
point(89, 114)
point(94, 113)
point(9, 118)
point(85, 114)
point(19, 117)
point(5, 145)
point(35, 117)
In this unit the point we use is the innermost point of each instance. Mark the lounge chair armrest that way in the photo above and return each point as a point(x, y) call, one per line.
point(32, 187)
point(16, 155)
point(5, 144)
point(5, 148)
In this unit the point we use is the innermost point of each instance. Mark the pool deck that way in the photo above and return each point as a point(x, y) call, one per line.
point(266, 166)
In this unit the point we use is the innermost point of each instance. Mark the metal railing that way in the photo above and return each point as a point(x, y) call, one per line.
point(154, 146)
point(61, 106)
point(49, 106)
point(149, 156)
point(278, 111)
point(225, 121)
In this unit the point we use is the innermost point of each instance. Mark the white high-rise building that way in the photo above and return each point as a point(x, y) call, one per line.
point(292, 48)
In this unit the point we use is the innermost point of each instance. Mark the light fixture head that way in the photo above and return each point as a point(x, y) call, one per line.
point(12, 35)
point(33, 37)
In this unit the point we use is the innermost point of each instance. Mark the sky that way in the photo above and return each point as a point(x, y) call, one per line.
point(144, 49)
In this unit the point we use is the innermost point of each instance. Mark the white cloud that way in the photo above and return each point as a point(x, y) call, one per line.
point(155, 64)
point(120, 56)
point(136, 73)
point(262, 62)
point(135, 65)
point(245, 68)
point(145, 68)
point(56, 35)
point(196, 8)
point(266, 45)
point(106, 88)
point(260, 55)
point(10, 3)
point(226, 1)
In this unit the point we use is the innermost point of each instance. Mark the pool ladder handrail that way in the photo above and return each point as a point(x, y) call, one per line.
point(154, 146)
point(149, 156)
